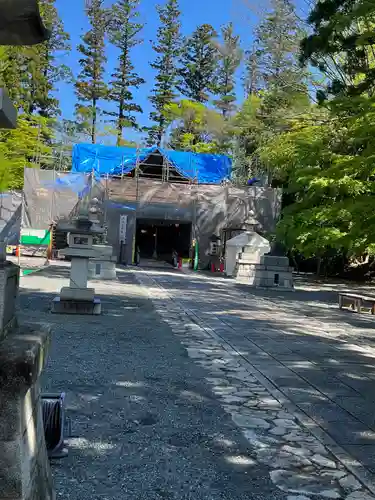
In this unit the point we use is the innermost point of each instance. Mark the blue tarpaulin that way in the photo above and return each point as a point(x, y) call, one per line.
point(121, 206)
point(117, 161)
point(76, 182)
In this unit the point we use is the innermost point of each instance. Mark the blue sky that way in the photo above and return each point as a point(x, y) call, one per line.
point(194, 13)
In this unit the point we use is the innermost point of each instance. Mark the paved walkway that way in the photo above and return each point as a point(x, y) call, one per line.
point(302, 360)
point(145, 422)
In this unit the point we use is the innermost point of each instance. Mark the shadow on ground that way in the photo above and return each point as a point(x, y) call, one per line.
point(145, 425)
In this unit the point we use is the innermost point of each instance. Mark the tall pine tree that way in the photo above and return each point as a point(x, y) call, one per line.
point(278, 39)
point(198, 64)
point(90, 85)
point(168, 50)
point(230, 59)
point(45, 66)
point(124, 31)
point(275, 85)
point(251, 77)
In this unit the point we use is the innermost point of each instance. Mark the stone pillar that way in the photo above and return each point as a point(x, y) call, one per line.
point(79, 272)
point(24, 467)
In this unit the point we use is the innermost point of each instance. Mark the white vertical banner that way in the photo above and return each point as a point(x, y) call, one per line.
point(122, 228)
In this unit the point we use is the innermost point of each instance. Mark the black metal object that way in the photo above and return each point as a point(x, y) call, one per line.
point(21, 24)
point(8, 112)
point(54, 424)
point(277, 249)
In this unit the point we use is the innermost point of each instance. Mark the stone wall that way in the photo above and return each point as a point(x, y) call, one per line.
point(24, 467)
point(9, 283)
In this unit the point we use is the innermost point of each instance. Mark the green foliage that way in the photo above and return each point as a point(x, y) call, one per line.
point(22, 147)
point(198, 64)
point(31, 76)
point(323, 156)
point(196, 128)
point(248, 130)
point(90, 85)
point(263, 118)
point(302, 158)
point(342, 45)
point(327, 161)
point(168, 50)
point(124, 31)
point(229, 61)
point(284, 89)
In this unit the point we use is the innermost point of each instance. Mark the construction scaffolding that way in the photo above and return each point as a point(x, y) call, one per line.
point(153, 190)
point(50, 196)
point(10, 217)
point(146, 185)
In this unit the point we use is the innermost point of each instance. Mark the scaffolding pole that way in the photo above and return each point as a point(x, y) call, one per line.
point(136, 202)
point(105, 215)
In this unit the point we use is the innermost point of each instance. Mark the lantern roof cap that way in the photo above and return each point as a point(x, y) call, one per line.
point(21, 23)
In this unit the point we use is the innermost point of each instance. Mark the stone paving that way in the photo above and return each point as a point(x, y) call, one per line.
point(145, 423)
point(285, 370)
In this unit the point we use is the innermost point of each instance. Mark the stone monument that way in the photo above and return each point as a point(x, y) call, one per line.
point(77, 298)
point(270, 270)
point(24, 467)
point(274, 272)
point(249, 258)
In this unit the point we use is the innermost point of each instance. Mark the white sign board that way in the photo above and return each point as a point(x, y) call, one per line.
point(122, 228)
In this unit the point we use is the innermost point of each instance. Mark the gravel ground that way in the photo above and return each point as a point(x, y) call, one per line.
point(145, 424)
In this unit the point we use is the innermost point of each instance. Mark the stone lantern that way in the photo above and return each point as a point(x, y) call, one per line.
point(251, 223)
point(77, 298)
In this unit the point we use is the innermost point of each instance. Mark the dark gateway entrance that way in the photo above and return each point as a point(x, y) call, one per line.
point(158, 238)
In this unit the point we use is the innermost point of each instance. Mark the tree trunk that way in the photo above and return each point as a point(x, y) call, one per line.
point(160, 133)
point(318, 266)
point(93, 122)
point(119, 123)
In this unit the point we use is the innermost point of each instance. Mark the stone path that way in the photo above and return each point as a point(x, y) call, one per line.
point(295, 375)
point(146, 424)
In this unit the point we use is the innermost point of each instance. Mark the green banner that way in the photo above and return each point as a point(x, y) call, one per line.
point(39, 237)
point(196, 257)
